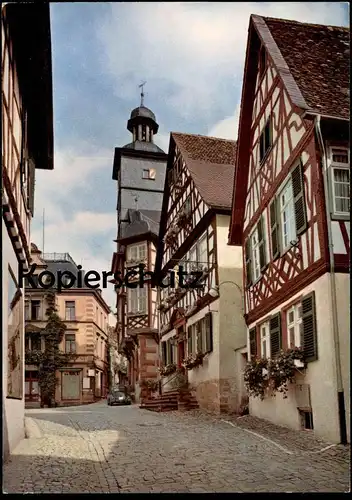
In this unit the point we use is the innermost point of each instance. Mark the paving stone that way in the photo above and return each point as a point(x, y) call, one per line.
point(129, 450)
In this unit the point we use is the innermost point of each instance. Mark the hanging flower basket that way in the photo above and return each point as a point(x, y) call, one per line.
point(193, 360)
point(183, 219)
point(274, 374)
point(162, 306)
point(171, 236)
point(167, 370)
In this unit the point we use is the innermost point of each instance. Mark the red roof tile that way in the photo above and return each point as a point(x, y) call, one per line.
point(211, 162)
point(318, 59)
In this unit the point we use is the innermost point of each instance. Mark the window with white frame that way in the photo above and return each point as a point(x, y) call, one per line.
point(202, 252)
point(340, 168)
point(265, 340)
point(287, 215)
point(294, 326)
point(255, 254)
point(193, 258)
point(137, 253)
point(137, 300)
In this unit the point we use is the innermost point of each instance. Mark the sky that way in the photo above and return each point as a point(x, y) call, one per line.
point(191, 54)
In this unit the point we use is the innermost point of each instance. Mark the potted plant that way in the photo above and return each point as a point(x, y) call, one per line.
point(193, 360)
point(171, 236)
point(162, 306)
point(167, 370)
point(183, 218)
point(282, 369)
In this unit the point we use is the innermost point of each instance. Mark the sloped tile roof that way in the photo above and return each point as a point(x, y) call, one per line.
point(211, 162)
point(318, 59)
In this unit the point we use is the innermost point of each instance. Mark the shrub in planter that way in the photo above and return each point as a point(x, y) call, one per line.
point(282, 369)
point(193, 360)
point(167, 370)
point(255, 381)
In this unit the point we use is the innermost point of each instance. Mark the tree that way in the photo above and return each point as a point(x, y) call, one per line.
point(51, 359)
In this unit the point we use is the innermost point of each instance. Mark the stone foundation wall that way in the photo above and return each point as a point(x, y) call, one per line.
point(230, 397)
point(217, 396)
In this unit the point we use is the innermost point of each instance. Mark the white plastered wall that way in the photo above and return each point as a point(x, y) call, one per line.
point(320, 375)
point(13, 409)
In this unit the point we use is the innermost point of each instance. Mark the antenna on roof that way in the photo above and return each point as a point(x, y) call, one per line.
point(142, 92)
point(43, 230)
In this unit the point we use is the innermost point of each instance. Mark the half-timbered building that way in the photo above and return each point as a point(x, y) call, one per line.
point(202, 330)
point(27, 144)
point(291, 212)
point(137, 315)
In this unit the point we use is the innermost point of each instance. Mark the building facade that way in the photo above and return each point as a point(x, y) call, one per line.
point(27, 144)
point(139, 169)
point(293, 218)
point(85, 314)
point(202, 330)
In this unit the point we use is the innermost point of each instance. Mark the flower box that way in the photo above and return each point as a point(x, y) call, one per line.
point(167, 370)
point(193, 360)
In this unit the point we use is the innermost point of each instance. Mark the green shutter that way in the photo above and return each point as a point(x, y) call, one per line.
point(253, 343)
point(199, 335)
point(248, 257)
point(261, 240)
point(299, 200)
point(164, 353)
point(275, 335)
point(274, 229)
point(189, 340)
point(209, 332)
point(310, 343)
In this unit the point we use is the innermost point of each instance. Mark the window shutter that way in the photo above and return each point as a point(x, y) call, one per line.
point(164, 353)
point(274, 229)
point(262, 256)
point(310, 343)
point(253, 343)
point(170, 352)
point(209, 332)
point(189, 340)
point(298, 194)
point(262, 150)
point(248, 262)
point(275, 335)
point(199, 335)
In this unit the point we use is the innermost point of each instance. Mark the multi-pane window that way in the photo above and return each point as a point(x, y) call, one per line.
point(35, 309)
point(193, 257)
point(255, 254)
point(294, 326)
point(70, 310)
point(203, 252)
point(287, 215)
point(137, 300)
point(137, 253)
point(70, 343)
point(340, 172)
point(265, 340)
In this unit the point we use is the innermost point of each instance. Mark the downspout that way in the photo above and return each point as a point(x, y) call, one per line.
point(332, 289)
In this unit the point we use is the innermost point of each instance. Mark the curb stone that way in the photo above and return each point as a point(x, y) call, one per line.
point(31, 429)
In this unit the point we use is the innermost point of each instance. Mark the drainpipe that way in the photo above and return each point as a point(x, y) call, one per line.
point(340, 392)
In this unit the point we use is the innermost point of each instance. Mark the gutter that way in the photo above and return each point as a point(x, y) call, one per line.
point(332, 289)
point(326, 117)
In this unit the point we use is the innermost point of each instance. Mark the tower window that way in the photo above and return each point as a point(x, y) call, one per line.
point(144, 133)
point(149, 174)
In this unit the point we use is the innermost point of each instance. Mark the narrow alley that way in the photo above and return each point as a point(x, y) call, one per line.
point(96, 448)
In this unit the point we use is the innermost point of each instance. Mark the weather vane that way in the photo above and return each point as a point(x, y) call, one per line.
point(142, 92)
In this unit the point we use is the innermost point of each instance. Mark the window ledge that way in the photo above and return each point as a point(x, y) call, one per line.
point(342, 217)
point(130, 314)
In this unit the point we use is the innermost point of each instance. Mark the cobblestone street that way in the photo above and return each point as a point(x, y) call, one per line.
point(96, 448)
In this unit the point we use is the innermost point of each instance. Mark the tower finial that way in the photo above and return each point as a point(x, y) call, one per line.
point(142, 93)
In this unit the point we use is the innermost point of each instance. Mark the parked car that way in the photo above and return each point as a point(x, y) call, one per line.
point(118, 398)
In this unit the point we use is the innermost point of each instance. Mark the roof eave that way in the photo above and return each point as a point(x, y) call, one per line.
point(35, 72)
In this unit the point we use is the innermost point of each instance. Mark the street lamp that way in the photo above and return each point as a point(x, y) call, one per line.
point(215, 291)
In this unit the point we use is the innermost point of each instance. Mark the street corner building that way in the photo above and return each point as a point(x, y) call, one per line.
point(27, 144)
point(202, 331)
point(291, 216)
point(139, 169)
point(85, 378)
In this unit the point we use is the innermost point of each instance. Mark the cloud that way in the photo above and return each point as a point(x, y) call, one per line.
point(226, 128)
point(186, 51)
